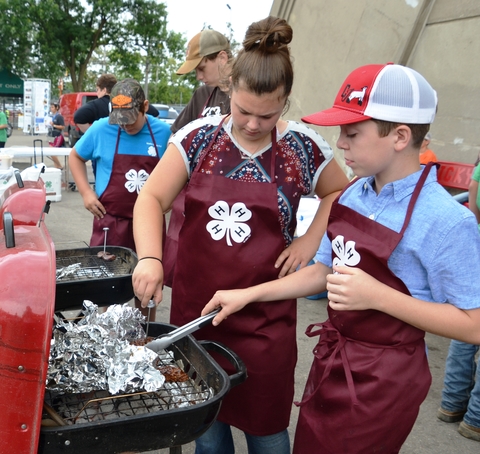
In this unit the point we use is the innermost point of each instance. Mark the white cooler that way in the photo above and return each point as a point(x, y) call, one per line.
point(51, 177)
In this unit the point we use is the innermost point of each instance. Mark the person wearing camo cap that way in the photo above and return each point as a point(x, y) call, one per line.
point(125, 147)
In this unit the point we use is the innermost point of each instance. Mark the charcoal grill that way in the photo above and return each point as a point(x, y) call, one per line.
point(94, 278)
point(29, 296)
point(98, 423)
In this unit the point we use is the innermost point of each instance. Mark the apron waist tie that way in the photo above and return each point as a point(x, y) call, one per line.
point(335, 341)
point(329, 334)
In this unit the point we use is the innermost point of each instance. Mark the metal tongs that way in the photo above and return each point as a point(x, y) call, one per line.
point(164, 341)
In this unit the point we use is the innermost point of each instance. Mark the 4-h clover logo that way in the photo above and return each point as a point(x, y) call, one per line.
point(229, 222)
point(345, 252)
point(135, 180)
point(152, 151)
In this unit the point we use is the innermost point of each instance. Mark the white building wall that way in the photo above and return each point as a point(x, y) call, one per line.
point(438, 38)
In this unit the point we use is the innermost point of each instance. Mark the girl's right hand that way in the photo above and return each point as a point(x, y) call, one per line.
point(147, 280)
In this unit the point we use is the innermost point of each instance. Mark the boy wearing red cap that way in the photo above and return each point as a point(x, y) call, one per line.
point(400, 268)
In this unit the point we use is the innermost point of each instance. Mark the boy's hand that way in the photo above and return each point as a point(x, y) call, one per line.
point(352, 289)
point(230, 301)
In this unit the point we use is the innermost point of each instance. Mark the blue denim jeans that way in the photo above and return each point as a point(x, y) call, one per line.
point(461, 391)
point(218, 440)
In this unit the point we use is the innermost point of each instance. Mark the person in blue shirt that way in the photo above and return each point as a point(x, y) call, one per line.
point(125, 147)
point(394, 266)
point(461, 384)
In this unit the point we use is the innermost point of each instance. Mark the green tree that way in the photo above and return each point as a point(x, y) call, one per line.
point(69, 31)
point(48, 38)
point(149, 46)
point(15, 35)
point(78, 40)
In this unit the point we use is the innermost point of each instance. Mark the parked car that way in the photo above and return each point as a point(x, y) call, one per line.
point(69, 104)
point(166, 113)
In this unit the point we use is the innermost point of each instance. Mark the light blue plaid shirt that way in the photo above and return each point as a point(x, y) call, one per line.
point(438, 258)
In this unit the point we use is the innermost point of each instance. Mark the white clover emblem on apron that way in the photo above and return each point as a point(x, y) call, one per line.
point(229, 222)
point(135, 180)
point(345, 252)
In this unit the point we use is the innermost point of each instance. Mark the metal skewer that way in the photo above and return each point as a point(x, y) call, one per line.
point(150, 304)
point(105, 229)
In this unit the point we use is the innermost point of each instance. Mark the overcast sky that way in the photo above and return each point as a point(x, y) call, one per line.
point(191, 16)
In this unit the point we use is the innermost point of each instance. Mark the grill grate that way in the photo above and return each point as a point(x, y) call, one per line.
point(101, 406)
point(91, 266)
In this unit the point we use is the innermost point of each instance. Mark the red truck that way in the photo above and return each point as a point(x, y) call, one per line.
point(69, 104)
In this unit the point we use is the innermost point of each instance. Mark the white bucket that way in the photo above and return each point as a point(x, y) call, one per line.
point(6, 161)
point(53, 183)
point(51, 177)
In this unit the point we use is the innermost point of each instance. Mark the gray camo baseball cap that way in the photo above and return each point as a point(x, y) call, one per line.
point(125, 100)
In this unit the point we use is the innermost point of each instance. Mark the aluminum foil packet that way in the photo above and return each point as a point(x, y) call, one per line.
point(96, 353)
point(82, 272)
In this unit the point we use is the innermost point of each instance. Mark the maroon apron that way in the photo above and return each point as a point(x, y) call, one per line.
point(118, 200)
point(370, 372)
point(231, 238)
point(174, 225)
point(171, 242)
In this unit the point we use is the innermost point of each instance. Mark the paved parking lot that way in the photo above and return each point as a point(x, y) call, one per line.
point(70, 227)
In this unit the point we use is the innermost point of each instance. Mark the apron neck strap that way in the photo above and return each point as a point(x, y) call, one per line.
point(200, 115)
point(273, 136)
point(149, 129)
point(416, 193)
point(413, 200)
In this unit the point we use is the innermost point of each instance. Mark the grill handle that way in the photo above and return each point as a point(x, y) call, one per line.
point(19, 179)
point(8, 230)
point(241, 375)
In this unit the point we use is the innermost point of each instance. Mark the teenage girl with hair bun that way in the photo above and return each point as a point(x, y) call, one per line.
point(245, 174)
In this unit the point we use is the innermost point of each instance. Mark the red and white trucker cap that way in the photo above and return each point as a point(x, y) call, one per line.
point(384, 92)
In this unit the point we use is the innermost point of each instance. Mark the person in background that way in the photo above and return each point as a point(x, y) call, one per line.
point(153, 111)
point(98, 108)
point(477, 161)
point(461, 384)
point(3, 129)
point(57, 126)
point(427, 155)
point(209, 55)
point(392, 265)
point(245, 173)
point(125, 147)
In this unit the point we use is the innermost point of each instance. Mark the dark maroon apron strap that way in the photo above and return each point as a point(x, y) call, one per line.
point(151, 134)
point(206, 102)
point(273, 138)
point(415, 195)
